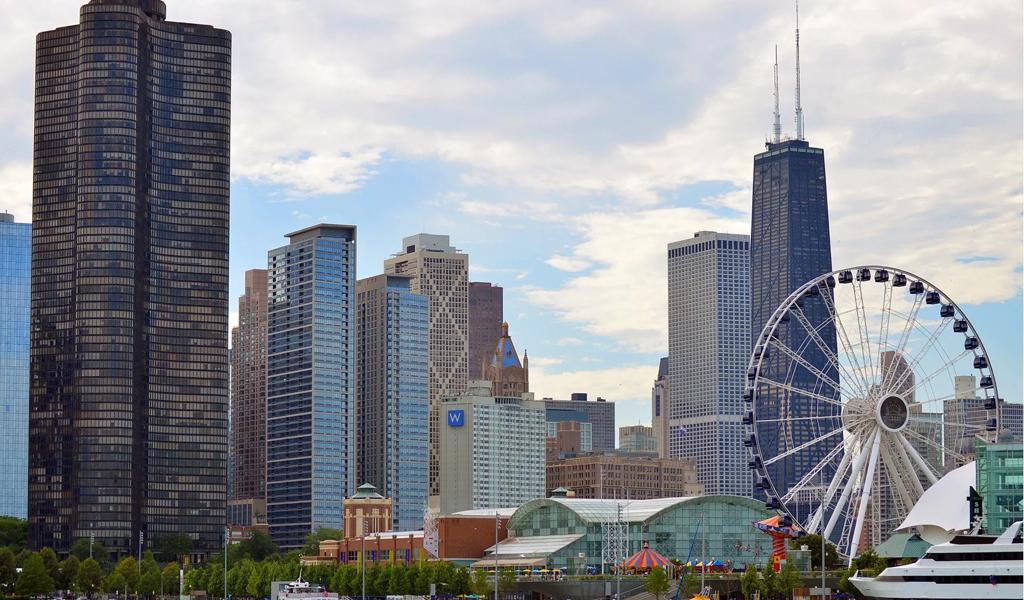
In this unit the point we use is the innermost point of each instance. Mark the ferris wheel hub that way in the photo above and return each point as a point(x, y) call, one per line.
point(893, 412)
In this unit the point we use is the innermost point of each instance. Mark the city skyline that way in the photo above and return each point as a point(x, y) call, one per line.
point(569, 216)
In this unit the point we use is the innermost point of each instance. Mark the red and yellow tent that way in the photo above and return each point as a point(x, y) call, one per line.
point(645, 560)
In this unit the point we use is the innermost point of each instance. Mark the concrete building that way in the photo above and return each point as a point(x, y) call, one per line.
point(709, 348)
point(367, 512)
point(492, 449)
point(659, 408)
point(15, 283)
point(249, 403)
point(391, 391)
point(311, 391)
point(486, 314)
point(617, 476)
point(440, 272)
point(128, 408)
point(600, 414)
point(508, 375)
point(637, 439)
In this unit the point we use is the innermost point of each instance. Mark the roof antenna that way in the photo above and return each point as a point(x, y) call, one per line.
point(777, 126)
point(799, 110)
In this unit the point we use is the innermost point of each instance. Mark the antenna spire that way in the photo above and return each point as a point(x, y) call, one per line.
point(799, 117)
point(777, 125)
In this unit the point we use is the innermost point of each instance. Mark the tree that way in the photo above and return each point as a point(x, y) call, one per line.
point(481, 583)
point(507, 578)
point(458, 584)
point(312, 546)
point(813, 543)
point(170, 548)
point(34, 579)
point(81, 549)
point(89, 577)
point(128, 569)
point(51, 562)
point(67, 573)
point(657, 582)
point(13, 533)
point(788, 580)
point(768, 581)
point(114, 583)
point(169, 580)
point(257, 546)
point(8, 571)
point(868, 563)
point(750, 581)
point(690, 582)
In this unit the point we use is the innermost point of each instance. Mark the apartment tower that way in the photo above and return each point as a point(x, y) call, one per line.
point(129, 340)
point(440, 272)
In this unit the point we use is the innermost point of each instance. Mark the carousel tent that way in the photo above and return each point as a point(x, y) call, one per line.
point(645, 559)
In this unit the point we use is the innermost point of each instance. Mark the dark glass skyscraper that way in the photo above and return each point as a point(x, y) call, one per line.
point(311, 381)
point(789, 246)
point(129, 357)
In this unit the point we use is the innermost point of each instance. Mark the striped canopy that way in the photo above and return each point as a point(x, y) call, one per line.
point(645, 559)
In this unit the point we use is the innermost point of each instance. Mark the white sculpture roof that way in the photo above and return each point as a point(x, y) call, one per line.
point(944, 505)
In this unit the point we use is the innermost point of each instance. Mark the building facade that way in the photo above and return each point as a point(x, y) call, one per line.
point(392, 392)
point(492, 450)
point(709, 348)
point(572, 532)
point(617, 476)
point(129, 342)
point(599, 413)
point(486, 314)
point(508, 375)
point(659, 408)
point(15, 283)
point(569, 438)
point(999, 474)
point(311, 383)
point(367, 512)
point(789, 246)
point(637, 439)
point(440, 272)
point(249, 400)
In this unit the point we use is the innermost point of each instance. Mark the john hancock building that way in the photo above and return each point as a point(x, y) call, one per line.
point(129, 360)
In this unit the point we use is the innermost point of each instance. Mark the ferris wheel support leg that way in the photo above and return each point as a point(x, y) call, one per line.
point(819, 515)
point(908, 465)
point(917, 458)
point(858, 464)
point(864, 495)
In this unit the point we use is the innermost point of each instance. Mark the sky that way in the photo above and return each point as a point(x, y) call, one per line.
point(564, 144)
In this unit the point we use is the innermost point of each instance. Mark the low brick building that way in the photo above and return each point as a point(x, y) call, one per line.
point(614, 476)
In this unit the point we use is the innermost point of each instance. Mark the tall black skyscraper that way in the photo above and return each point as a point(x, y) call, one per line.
point(129, 360)
point(789, 246)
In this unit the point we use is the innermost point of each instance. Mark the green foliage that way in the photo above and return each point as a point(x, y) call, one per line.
point(257, 547)
point(114, 583)
point(8, 573)
point(813, 543)
point(128, 569)
point(169, 579)
point(13, 533)
point(312, 547)
point(690, 582)
point(507, 578)
point(34, 580)
point(89, 578)
point(481, 583)
point(81, 549)
point(170, 548)
point(51, 562)
point(750, 582)
point(657, 582)
point(868, 563)
point(67, 573)
point(788, 580)
point(769, 586)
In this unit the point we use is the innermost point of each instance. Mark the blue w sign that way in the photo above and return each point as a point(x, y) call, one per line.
point(456, 418)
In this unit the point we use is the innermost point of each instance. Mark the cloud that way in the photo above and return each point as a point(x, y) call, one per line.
point(568, 263)
point(628, 386)
point(16, 189)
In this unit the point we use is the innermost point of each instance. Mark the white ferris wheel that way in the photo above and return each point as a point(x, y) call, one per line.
point(865, 387)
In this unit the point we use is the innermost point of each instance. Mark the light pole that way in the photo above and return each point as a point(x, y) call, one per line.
point(226, 532)
point(362, 554)
point(497, 525)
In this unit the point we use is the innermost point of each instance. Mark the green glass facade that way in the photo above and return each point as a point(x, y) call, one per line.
point(1000, 481)
point(672, 526)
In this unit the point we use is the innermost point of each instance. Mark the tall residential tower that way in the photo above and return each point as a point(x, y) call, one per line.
point(708, 350)
point(391, 388)
point(311, 382)
point(129, 340)
point(440, 272)
point(15, 281)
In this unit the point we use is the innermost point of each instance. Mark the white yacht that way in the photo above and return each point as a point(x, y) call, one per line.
point(968, 566)
point(303, 590)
